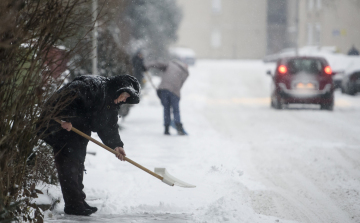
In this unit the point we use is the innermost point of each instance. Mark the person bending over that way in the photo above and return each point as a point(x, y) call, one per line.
point(90, 104)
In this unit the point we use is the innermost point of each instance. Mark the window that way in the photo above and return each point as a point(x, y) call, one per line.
point(310, 66)
point(318, 4)
point(317, 34)
point(216, 39)
point(310, 5)
point(310, 34)
point(314, 34)
point(216, 6)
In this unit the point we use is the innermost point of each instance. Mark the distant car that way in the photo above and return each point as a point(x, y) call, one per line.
point(184, 54)
point(303, 51)
point(337, 78)
point(304, 80)
point(351, 83)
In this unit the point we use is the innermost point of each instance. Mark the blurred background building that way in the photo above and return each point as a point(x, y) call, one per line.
point(330, 23)
point(241, 29)
point(230, 29)
point(280, 25)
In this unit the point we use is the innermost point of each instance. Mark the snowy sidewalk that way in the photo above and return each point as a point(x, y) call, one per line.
point(245, 158)
point(204, 158)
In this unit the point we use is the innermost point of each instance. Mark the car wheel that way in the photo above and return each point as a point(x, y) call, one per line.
point(328, 106)
point(348, 89)
point(277, 104)
point(342, 90)
point(351, 90)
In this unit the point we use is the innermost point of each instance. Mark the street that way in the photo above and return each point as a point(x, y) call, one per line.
point(250, 163)
point(307, 159)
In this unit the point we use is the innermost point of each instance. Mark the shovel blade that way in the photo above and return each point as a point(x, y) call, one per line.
point(171, 180)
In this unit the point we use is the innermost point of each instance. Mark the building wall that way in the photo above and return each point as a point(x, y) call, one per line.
point(292, 13)
point(277, 35)
point(224, 29)
point(330, 23)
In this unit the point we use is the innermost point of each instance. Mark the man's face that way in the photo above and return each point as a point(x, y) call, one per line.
point(122, 97)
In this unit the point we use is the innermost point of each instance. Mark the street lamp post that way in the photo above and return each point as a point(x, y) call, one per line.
point(94, 39)
point(297, 28)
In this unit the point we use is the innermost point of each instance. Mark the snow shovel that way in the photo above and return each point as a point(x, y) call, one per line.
point(159, 173)
point(150, 80)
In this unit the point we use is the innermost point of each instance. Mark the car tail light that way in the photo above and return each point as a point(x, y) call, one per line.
point(282, 69)
point(328, 70)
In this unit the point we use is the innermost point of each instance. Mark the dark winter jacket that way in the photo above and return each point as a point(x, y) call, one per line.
point(91, 109)
point(139, 67)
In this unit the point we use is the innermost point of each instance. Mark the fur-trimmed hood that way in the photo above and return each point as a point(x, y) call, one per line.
point(91, 109)
point(124, 83)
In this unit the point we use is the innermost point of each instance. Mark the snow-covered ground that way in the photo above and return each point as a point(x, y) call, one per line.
point(249, 163)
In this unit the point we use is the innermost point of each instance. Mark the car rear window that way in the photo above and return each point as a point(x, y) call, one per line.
point(309, 66)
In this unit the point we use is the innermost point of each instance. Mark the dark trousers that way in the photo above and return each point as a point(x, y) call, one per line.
point(71, 172)
point(170, 100)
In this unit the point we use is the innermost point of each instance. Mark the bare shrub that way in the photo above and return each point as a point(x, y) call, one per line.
point(30, 64)
point(113, 38)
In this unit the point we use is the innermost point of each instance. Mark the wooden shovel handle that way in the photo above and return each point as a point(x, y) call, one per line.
point(149, 77)
point(113, 151)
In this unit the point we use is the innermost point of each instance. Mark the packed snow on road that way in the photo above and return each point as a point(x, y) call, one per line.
point(250, 163)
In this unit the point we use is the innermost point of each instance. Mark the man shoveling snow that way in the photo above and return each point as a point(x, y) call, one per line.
point(91, 104)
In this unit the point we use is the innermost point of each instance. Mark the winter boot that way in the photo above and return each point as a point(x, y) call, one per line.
point(94, 209)
point(77, 210)
point(180, 129)
point(167, 130)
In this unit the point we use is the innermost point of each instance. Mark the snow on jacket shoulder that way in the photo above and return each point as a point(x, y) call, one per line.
point(174, 75)
point(92, 108)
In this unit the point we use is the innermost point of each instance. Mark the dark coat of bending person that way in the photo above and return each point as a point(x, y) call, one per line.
point(93, 107)
point(173, 77)
point(139, 67)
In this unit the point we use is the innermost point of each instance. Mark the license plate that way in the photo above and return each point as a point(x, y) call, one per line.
point(305, 86)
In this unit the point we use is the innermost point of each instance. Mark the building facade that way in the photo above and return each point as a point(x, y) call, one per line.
point(243, 29)
point(224, 29)
point(277, 25)
point(330, 23)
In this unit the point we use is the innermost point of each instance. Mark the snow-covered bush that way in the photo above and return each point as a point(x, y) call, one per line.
point(153, 26)
point(124, 28)
point(30, 32)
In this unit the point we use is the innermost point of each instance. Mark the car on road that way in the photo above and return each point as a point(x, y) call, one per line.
point(351, 83)
point(338, 78)
point(302, 80)
point(183, 54)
